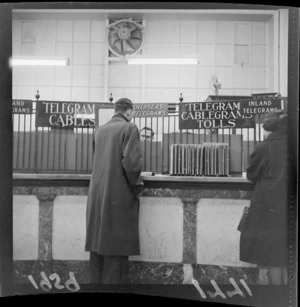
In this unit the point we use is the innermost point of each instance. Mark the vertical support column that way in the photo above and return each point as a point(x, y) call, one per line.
point(45, 225)
point(143, 71)
point(189, 230)
point(276, 50)
point(37, 96)
point(106, 64)
point(283, 52)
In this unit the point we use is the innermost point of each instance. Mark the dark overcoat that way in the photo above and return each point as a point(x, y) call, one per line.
point(113, 208)
point(264, 241)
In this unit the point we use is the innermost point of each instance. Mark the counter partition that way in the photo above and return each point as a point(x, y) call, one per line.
point(187, 228)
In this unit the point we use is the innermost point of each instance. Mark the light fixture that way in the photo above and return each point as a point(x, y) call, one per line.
point(162, 61)
point(38, 61)
point(84, 116)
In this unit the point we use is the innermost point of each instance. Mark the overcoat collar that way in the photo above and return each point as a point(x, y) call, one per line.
point(277, 135)
point(121, 116)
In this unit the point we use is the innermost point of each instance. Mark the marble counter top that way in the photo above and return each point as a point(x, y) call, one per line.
point(157, 177)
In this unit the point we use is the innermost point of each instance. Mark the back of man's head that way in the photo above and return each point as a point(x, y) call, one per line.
point(122, 105)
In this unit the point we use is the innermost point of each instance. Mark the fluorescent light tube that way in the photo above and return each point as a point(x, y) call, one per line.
point(162, 61)
point(38, 61)
point(86, 116)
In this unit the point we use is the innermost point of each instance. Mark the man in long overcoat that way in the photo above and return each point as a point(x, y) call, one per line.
point(113, 206)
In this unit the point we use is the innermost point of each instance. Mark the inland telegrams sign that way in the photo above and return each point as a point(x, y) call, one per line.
point(224, 114)
point(21, 106)
point(65, 114)
point(253, 107)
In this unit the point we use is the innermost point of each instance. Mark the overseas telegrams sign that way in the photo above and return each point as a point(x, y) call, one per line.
point(224, 114)
point(150, 109)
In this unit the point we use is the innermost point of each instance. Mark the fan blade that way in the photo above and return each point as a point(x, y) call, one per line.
point(128, 47)
point(113, 38)
point(123, 46)
point(137, 34)
point(132, 28)
point(135, 43)
point(139, 38)
point(118, 46)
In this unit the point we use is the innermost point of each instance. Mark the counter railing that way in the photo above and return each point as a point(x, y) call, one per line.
point(213, 147)
point(70, 150)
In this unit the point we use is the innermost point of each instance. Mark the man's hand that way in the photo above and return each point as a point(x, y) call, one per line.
point(138, 188)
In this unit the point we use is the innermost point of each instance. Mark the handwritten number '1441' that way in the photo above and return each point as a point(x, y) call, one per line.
point(236, 291)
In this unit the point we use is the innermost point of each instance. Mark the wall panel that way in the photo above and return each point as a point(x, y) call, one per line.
point(83, 42)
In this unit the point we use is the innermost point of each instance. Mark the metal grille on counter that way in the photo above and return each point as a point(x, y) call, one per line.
point(207, 159)
point(210, 138)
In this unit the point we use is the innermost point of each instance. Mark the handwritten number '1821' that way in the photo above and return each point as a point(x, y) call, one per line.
point(71, 284)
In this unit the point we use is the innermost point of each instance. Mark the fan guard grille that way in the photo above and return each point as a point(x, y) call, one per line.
point(125, 37)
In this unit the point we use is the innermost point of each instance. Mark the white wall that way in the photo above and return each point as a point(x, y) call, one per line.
point(161, 229)
point(283, 54)
point(25, 227)
point(217, 236)
point(82, 41)
point(69, 228)
point(220, 45)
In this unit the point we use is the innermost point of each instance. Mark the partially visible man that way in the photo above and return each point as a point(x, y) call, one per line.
point(146, 134)
point(113, 205)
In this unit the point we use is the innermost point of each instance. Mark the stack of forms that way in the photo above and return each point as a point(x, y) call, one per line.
point(207, 159)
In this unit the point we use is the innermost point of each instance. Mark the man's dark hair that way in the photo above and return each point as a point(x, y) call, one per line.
point(122, 105)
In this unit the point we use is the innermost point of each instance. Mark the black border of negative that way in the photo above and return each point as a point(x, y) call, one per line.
point(140, 293)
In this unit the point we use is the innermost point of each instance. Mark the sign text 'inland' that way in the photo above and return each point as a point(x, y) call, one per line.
point(21, 106)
